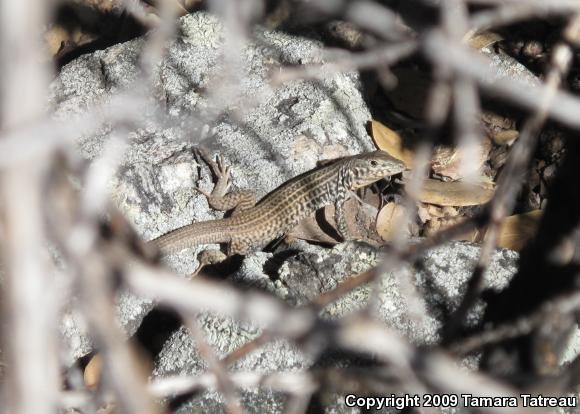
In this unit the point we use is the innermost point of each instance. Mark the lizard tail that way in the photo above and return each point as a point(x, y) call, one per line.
point(195, 234)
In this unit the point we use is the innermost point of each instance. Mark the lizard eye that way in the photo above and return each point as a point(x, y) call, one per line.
point(374, 163)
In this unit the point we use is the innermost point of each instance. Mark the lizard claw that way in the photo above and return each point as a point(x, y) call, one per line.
point(215, 167)
point(221, 166)
point(228, 178)
point(223, 171)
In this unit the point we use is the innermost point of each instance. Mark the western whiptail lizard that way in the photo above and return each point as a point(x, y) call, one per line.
point(253, 225)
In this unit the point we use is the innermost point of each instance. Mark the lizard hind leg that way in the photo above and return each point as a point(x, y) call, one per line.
point(209, 257)
point(339, 216)
point(215, 256)
point(239, 246)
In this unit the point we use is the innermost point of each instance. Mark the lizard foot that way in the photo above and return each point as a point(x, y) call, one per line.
point(209, 257)
point(222, 172)
point(219, 198)
point(218, 167)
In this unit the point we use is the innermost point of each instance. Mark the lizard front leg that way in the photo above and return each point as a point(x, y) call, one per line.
point(339, 216)
point(219, 198)
point(240, 246)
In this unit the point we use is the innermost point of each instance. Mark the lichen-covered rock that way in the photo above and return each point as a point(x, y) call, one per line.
point(438, 281)
point(266, 134)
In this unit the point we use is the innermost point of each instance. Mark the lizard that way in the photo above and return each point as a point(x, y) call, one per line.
point(251, 226)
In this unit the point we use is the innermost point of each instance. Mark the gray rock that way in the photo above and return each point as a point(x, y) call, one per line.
point(506, 66)
point(439, 278)
point(253, 402)
point(268, 135)
point(319, 270)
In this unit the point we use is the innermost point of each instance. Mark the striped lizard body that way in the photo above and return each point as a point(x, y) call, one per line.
point(253, 226)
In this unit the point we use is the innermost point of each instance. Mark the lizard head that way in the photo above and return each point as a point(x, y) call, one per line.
point(372, 166)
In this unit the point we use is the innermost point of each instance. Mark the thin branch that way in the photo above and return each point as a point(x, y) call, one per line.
point(514, 13)
point(384, 56)
point(29, 294)
point(223, 381)
point(512, 178)
point(564, 305)
point(565, 106)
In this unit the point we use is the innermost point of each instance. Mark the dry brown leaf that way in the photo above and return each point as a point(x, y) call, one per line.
point(423, 212)
point(388, 221)
point(440, 212)
point(500, 129)
point(435, 211)
point(455, 193)
point(435, 225)
point(436, 218)
point(449, 211)
point(60, 40)
point(482, 39)
point(505, 137)
point(516, 231)
point(447, 161)
point(93, 370)
point(108, 409)
point(389, 141)
point(55, 37)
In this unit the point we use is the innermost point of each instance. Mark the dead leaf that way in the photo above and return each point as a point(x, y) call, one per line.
point(437, 224)
point(456, 193)
point(441, 212)
point(447, 161)
point(93, 370)
point(515, 231)
point(482, 39)
point(423, 212)
point(505, 137)
point(436, 218)
point(389, 221)
point(389, 141)
point(496, 122)
point(108, 409)
point(55, 37)
point(499, 128)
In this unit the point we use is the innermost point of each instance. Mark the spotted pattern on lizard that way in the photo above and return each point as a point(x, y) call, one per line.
point(252, 226)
